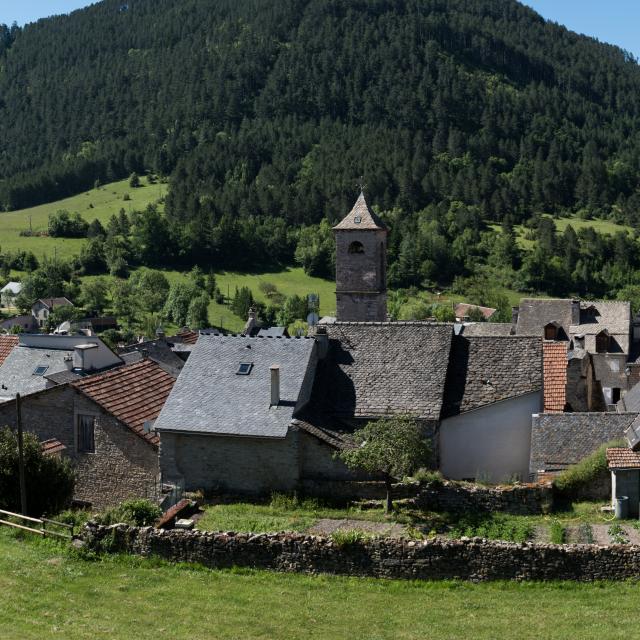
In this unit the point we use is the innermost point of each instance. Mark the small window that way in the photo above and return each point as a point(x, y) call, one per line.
point(86, 434)
point(40, 371)
point(602, 342)
point(357, 219)
point(356, 247)
point(615, 395)
point(244, 369)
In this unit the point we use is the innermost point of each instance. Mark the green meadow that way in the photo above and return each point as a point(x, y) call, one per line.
point(51, 593)
point(99, 203)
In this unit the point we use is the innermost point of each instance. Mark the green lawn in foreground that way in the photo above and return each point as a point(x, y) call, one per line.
point(106, 200)
point(48, 594)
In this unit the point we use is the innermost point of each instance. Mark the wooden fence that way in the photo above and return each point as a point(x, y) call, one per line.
point(42, 522)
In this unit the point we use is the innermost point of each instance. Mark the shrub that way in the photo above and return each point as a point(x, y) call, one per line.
point(586, 471)
point(291, 502)
point(557, 532)
point(50, 480)
point(428, 476)
point(617, 534)
point(497, 526)
point(137, 512)
point(344, 539)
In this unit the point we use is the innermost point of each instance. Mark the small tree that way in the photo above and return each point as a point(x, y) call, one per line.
point(134, 180)
point(393, 447)
point(50, 480)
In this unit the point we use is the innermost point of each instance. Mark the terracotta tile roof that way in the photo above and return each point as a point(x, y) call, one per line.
point(361, 217)
point(462, 310)
point(52, 447)
point(620, 458)
point(555, 376)
point(134, 394)
point(187, 336)
point(6, 346)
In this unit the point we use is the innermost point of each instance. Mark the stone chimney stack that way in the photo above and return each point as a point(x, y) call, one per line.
point(575, 311)
point(275, 385)
point(252, 322)
point(515, 312)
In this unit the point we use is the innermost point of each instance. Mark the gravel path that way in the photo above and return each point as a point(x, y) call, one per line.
point(632, 533)
point(600, 534)
point(327, 526)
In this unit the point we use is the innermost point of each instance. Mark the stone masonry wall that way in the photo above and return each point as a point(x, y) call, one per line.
point(123, 465)
point(436, 559)
point(518, 499)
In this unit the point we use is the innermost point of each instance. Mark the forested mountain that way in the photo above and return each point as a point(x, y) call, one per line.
point(265, 113)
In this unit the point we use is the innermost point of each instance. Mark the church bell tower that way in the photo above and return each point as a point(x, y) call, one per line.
point(361, 266)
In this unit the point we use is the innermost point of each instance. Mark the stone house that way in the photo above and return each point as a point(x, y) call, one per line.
point(257, 414)
point(43, 308)
point(462, 311)
point(102, 423)
point(563, 439)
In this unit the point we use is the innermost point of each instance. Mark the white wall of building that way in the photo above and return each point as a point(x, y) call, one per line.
point(492, 443)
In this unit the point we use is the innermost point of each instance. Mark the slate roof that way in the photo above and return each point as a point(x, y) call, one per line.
point(6, 346)
point(360, 217)
point(487, 329)
point(535, 313)
point(485, 370)
point(14, 288)
point(210, 397)
point(555, 376)
point(631, 400)
point(621, 458)
point(134, 394)
point(17, 372)
point(160, 351)
point(462, 310)
point(562, 439)
point(612, 315)
point(273, 332)
point(374, 369)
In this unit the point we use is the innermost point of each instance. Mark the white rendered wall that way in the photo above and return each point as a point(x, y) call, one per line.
point(490, 444)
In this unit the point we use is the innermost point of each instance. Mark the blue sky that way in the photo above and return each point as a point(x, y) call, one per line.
point(614, 21)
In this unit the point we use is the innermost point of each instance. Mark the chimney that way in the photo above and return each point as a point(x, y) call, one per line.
point(322, 340)
point(160, 335)
point(575, 311)
point(275, 385)
point(252, 322)
point(515, 312)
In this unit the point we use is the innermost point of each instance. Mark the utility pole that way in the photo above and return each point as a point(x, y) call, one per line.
point(23, 485)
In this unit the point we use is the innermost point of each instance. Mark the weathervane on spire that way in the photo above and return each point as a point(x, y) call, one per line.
point(361, 185)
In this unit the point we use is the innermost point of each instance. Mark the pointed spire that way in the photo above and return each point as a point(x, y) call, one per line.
point(361, 217)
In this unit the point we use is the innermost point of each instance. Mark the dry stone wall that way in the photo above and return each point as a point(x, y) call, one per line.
point(472, 559)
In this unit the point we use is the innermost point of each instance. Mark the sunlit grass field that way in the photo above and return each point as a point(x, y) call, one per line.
point(99, 203)
point(50, 593)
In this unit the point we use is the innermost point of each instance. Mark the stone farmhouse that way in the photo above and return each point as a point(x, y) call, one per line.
point(102, 423)
point(251, 414)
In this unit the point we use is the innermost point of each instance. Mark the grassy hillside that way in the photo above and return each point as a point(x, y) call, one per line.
point(54, 594)
point(99, 203)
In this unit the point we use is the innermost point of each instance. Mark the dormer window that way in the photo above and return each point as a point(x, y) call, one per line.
point(551, 331)
point(356, 247)
point(357, 219)
point(244, 368)
point(603, 342)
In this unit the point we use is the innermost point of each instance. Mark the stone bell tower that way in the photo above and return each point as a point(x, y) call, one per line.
point(361, 266)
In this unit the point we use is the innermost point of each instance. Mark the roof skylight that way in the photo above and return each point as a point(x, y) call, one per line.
point(41, 370)
point(244, 369)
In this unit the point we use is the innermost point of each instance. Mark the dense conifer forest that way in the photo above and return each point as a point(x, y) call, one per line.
point(265, 114)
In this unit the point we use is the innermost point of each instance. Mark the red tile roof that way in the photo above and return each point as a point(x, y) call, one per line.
point(187, 336)
point(6, 346)
point(52, 447)
point(621, 458)
point(555, 376)
point(462, 310)
point(134, 394)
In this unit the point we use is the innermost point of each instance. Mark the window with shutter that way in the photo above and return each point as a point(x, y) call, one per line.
point(86, 434)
